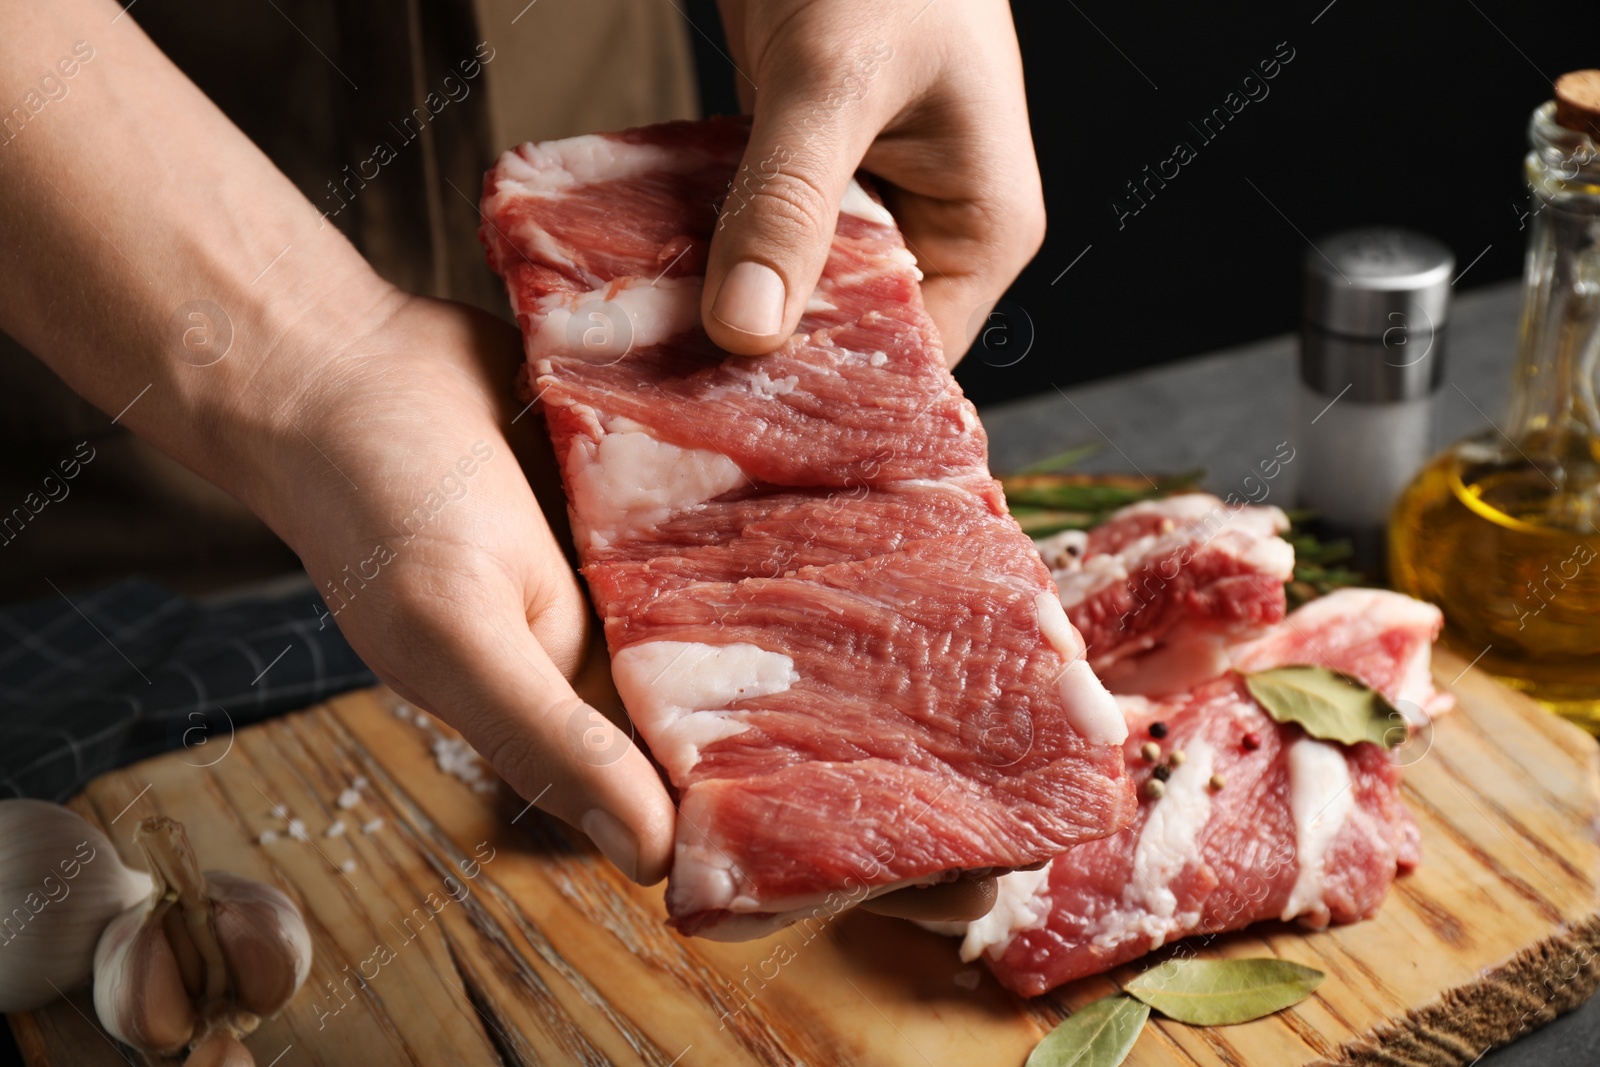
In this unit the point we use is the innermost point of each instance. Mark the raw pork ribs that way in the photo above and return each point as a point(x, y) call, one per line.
point(849, 660)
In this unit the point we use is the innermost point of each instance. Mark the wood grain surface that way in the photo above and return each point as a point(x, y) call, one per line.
point(469, 930)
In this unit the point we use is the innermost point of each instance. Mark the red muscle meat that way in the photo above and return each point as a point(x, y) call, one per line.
point(1162, 587)
point(845, 654)
point(1299, 828)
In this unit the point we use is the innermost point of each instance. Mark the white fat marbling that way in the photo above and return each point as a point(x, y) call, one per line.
point(856, 202)
point(1020, 904)
point(1264, 553)
point(1089, 576)
point(1360, 615)
point(544, 170)
point(702, 877)
point(766, 387)
point(548, 170)
point(537, 244)
point(904, 257)
point(680, 692)
point(1062, 551)
point(1185, 508)
point(1320, 798)
point(607, 323)
point(628, 479)
point(1169, 841)
point(1248, 533)
point(1057, 628)
point(1092, 711)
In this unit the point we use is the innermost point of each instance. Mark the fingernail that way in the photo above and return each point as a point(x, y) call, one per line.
point(613, 839)
point(751, 300)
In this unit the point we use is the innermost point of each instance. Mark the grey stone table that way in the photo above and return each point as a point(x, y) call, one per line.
point(1229, 410)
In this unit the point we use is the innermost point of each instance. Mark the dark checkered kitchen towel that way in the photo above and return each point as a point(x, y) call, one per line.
point(94, 680)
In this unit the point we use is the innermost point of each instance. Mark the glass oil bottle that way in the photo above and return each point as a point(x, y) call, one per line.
point(1502, 531)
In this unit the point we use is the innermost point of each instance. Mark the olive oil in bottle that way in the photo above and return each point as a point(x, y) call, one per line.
point(1473, 535)
point(1502, 531)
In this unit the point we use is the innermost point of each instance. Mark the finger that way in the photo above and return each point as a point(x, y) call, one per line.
point(512, 704)
point(969, 248)
point(959, 901)
point(777, 223)
point(962, 181)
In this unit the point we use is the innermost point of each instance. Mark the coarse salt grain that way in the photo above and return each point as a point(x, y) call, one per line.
point(267, 837)
point(372, 826)
point(360, 782)
point(456, 758)
point(297, 830)
point(348, 866)
point(348, 799)
point(337, 829)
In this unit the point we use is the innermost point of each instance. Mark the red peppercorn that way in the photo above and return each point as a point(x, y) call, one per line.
point(1251, 741)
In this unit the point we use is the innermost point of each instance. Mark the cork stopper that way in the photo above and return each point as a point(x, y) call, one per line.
point(1578, 101)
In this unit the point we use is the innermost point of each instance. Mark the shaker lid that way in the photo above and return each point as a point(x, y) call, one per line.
point(1362, 283)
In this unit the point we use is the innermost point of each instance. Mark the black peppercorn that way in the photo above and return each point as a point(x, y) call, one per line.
point(1158, 730)
point(1162, 773)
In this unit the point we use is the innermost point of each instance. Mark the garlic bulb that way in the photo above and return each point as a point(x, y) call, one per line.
point(202, 960)
point(61, 882)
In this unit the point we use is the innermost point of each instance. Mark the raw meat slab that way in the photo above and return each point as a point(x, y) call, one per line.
point(1162, 587)
point(1300, 828)
point(844, 653)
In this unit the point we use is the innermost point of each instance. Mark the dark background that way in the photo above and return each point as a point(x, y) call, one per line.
point(1411, 112)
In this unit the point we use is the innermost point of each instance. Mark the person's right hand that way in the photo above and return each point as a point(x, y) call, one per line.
point(928, 97)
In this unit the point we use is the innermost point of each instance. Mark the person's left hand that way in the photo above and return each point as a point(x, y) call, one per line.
point(927, 96)
point(395, 477)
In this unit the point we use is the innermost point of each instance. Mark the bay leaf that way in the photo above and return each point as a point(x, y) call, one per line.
point(1222, 992)
point(1328, 705)
point(1099, 1034)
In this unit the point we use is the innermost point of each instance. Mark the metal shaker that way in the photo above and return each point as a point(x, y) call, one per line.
point(1372, 352)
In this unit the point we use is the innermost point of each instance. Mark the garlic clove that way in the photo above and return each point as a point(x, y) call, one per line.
point(139, 992)
point(220, 1050)
point(190, 965)
point(264, 941)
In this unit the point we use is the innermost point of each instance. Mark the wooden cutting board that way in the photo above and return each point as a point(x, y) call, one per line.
point(536, 951)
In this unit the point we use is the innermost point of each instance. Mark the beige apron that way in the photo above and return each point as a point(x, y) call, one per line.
point(385, 113)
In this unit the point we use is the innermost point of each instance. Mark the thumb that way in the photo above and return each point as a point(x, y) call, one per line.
point(559, 751)
point(776, 225)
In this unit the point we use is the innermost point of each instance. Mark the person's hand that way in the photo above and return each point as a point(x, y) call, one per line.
point(395, 482)
point(927, 96)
